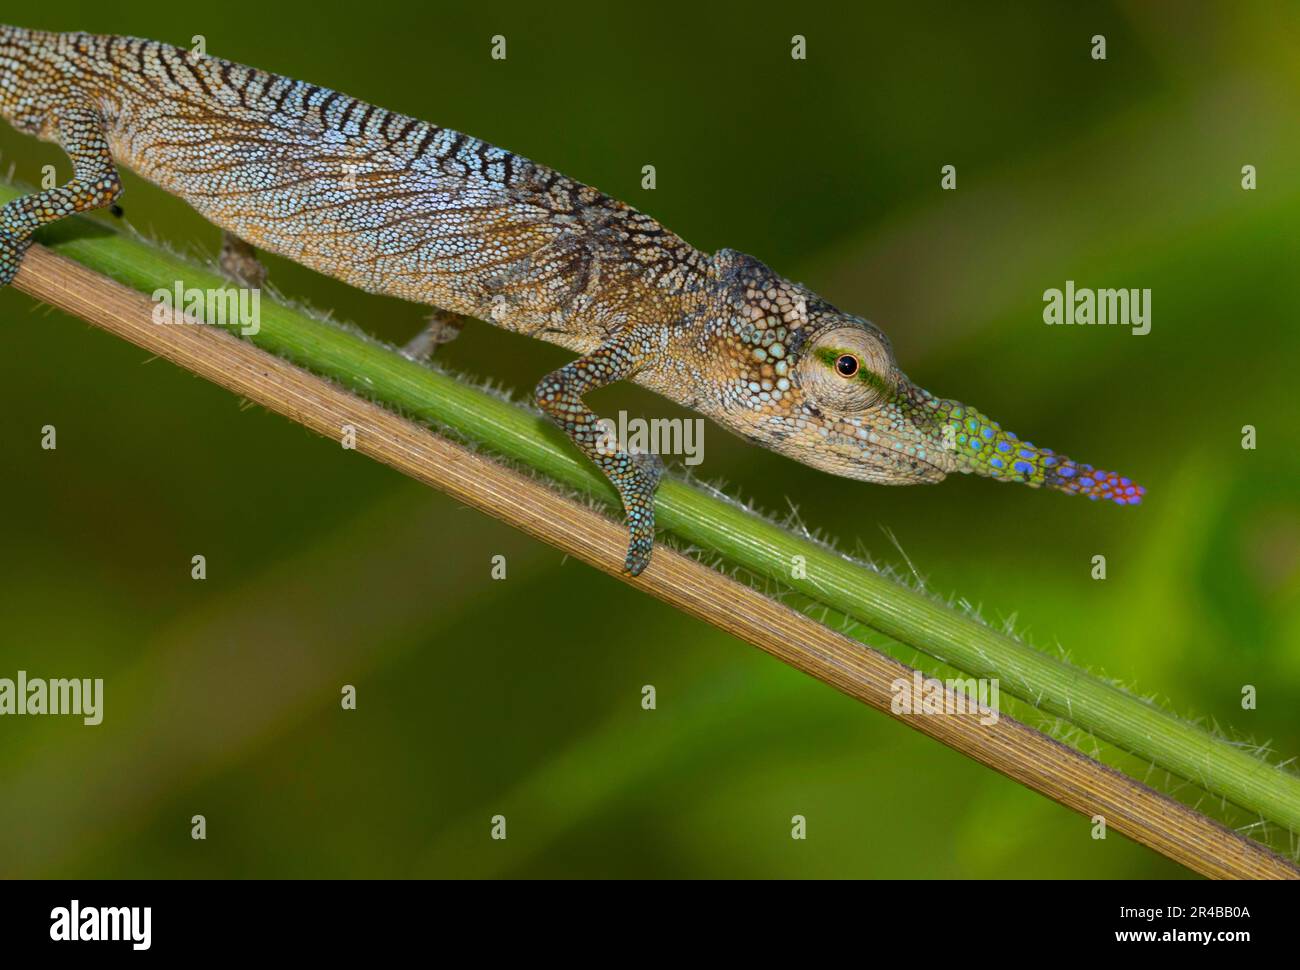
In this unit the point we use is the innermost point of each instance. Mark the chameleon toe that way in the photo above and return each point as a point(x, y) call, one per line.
point(11, 256)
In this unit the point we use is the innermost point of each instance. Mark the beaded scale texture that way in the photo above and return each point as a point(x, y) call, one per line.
point(394, 205)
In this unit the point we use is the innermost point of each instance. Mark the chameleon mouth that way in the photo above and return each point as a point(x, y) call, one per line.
point(983, 448)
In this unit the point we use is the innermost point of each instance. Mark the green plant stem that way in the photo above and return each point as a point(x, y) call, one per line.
point(710, 523)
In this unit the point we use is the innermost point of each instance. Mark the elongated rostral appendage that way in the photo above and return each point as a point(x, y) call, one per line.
point(398, 206)
point(984, 448)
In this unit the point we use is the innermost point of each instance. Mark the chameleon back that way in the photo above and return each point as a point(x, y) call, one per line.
point(383, 201)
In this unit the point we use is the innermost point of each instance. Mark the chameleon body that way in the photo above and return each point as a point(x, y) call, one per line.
point(394, 205)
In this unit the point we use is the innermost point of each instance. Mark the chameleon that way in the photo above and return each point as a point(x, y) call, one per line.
point(394, 205)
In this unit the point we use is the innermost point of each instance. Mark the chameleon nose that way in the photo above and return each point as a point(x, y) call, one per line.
point(982, 447)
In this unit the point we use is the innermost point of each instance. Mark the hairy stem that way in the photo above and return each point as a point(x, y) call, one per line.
point(704, 520)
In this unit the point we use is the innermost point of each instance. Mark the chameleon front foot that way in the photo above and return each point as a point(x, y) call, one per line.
point(239, 261)
point(12, 250)
point(443, 327)
point(636, 476)
point(637, 487)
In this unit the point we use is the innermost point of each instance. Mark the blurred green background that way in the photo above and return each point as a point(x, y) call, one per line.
point(522, 697)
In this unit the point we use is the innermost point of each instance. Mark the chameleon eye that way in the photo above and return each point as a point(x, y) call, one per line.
point(847, 370)
point(846, 365)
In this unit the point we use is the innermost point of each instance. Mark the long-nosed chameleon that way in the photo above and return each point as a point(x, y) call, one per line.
point(394, 205)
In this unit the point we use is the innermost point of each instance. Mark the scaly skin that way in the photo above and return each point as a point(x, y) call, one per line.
point(390, 204)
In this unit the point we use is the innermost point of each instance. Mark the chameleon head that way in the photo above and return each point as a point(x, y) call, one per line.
point(822, 386)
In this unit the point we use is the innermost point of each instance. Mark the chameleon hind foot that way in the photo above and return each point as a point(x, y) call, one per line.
point(79, 129)
point(239, 261)
point(443, 327)
point(12, 250)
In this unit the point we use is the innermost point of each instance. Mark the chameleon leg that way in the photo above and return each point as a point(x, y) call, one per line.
point(239, 260)
point(444, 327)
point(94, 185)
point(635, 476)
